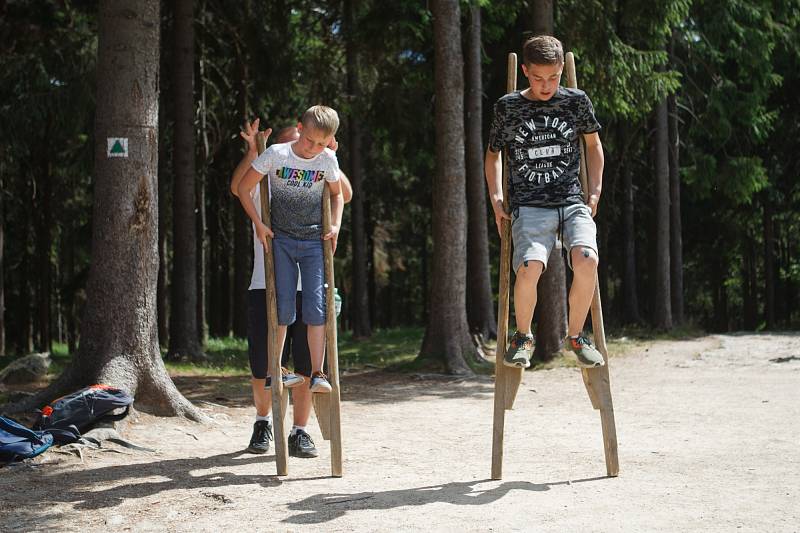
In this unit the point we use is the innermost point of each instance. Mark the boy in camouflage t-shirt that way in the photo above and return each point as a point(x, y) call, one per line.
point(540, 128)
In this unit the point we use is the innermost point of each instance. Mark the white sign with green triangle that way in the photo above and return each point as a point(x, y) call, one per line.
point(117, 147)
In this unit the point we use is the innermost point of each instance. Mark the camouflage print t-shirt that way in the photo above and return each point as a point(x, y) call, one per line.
point(542, 142)
point(296, 188)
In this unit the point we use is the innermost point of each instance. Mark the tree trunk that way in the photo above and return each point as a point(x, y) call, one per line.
point(119, 342)
point(749, 300)
point(202, 222)
point(480, 306)
point(44, 243)
point(184, 333)
point(551, 307)
point(2, 269)
point(164, 195)
point(447, 333)
point(359, 307)
point(676, 232)
point(769, 263)
point(71, 299)
point(542, 17)
point(162, 305)
point(629, 285)
point(242, 238)
point(662, 305)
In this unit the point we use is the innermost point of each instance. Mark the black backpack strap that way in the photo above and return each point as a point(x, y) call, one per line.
point(66, 435)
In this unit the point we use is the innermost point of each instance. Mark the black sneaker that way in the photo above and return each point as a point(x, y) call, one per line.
point(301, 445)
point(262, 435)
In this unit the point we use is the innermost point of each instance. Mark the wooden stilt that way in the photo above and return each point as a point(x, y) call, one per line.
point(596, 380)
point(280, 396)
point(506, 379)
point(328, 405)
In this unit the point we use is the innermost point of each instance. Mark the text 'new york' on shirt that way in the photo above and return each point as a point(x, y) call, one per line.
point(296, 186)
point(542, 141)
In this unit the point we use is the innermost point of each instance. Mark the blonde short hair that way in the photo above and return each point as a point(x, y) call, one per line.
point(322, 118)
point(543, 50)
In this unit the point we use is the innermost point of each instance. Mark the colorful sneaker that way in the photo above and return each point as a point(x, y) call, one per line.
point(586, 354)
point(319, 383)
point(301, 445)
point(290, 379)
point(519, 351)
point(262, 435)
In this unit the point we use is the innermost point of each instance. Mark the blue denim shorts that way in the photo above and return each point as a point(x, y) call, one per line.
point(534, 231)
point(308, 254)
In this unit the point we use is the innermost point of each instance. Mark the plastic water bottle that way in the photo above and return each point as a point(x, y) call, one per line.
point(337, 301)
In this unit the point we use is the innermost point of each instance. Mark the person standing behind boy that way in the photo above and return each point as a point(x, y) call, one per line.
point(297, 174)
point(300, 442)
point(540, 127)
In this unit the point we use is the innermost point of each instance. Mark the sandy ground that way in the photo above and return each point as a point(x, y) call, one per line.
point(708, 434)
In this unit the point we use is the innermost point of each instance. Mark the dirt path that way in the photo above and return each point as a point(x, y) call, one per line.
point(708, 435)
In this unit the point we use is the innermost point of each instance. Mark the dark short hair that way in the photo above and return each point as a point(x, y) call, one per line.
point(543, 50)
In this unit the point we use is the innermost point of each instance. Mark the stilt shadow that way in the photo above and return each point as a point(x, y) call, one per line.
point(321, 508)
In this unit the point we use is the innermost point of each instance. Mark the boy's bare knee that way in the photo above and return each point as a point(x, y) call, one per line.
point(530, 270)
point(584, 260)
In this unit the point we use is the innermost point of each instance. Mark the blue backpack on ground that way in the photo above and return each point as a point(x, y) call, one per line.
point(18, 442)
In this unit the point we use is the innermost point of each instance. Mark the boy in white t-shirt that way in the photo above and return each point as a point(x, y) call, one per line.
point(297, 171)
point(300, 442)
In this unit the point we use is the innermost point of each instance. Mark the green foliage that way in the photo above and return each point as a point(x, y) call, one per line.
point(733, 65)
point(620, 49)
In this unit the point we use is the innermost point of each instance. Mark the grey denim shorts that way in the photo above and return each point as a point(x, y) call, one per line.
point(534, 231)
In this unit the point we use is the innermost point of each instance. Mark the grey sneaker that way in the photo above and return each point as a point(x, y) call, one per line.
point(519, 351)
point(289, 379)
point(320, 383)
point(585, 353)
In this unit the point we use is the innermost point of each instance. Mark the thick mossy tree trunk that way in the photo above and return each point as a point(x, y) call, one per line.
point(119, 338)
point(480, 306)
point(184, 338)
point(447, 333)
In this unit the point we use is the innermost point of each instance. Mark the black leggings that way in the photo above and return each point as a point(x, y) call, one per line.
point(296, 337)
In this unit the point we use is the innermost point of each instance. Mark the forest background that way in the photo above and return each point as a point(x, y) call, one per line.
point(697, 222)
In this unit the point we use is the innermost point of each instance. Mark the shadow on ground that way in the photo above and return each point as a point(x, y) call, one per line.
point(325, 507)
point(23, 484)
point(376, 386)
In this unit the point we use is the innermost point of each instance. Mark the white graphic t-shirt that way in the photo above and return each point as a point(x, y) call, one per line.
point(258, 279)
point(296, 185)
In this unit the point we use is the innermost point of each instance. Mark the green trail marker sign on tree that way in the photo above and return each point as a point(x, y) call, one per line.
point(117, 147)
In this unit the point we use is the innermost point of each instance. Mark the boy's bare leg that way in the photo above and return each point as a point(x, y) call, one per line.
point(316, 345)
point(261, 397)
point(525, 294)
point(584, 267)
